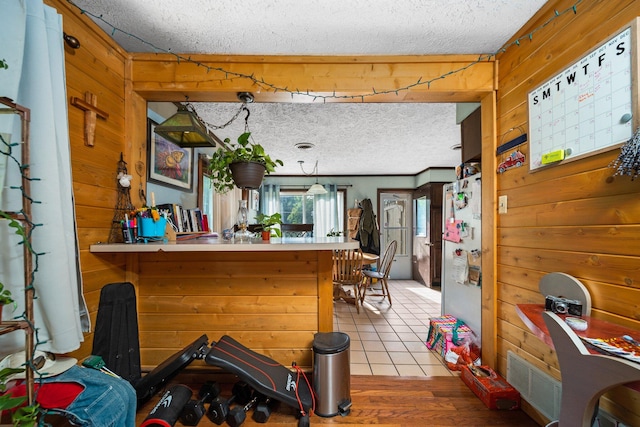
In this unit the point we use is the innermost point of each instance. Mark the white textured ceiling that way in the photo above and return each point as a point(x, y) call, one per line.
point(349, 138)
point(358, 139)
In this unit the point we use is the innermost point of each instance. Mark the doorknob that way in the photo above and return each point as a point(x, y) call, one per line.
point(428, 244)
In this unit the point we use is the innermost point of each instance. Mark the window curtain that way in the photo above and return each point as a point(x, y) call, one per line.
point(33, 49)
point(225, 209)
point(269, 199)
point(325, 211)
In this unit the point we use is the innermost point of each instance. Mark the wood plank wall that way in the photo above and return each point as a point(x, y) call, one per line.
point(269, 304)
point(99, 67)
point(574, 218)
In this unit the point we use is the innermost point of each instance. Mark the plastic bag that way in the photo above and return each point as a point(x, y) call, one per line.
point(466, 354)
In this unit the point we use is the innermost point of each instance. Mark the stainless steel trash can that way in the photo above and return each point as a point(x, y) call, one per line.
point(331, 373)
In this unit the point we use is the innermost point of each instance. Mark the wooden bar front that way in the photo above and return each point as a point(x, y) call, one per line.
point(272, 298)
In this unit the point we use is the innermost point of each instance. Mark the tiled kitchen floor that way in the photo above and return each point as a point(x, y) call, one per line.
point(391, 340)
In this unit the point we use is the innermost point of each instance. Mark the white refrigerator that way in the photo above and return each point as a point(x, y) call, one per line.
point(462, 251)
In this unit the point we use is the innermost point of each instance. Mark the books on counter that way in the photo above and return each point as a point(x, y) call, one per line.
point(185, 220)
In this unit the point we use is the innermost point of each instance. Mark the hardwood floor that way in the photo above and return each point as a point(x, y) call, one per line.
point(396, 402)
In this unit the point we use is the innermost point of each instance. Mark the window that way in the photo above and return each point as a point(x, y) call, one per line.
point(328, 214)
point(207, 200)
point(420, 218)
point(296, 207)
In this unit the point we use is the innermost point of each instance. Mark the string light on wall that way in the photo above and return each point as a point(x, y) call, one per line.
point(229, 75)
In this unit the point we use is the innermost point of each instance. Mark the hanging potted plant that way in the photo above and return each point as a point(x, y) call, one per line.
point(267, 223)
point(243, 165)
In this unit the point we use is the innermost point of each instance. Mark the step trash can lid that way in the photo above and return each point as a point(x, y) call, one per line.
point(330, 342)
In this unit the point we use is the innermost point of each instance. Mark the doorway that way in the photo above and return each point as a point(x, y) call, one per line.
point(396, 223)
point(427, 234)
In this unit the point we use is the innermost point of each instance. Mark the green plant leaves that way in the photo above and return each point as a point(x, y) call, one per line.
point(242, 151)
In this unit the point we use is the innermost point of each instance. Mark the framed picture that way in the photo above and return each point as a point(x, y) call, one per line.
point(168, 164)
point(254, 200)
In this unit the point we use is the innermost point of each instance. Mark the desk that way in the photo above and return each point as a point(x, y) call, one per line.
point(586, 374)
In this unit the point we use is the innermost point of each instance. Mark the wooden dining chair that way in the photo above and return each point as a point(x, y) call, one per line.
point(347, 271)
point(381, 275)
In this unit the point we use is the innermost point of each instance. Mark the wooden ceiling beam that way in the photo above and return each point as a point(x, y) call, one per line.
point(211, 78)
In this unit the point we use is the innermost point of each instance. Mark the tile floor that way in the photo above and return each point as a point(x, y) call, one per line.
point(391, 340)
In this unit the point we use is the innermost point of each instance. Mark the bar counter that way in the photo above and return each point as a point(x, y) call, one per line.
point(217, 244)
point(271, 296)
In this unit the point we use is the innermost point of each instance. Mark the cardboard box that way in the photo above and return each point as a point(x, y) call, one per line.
point(440, 336)
point(494, 391)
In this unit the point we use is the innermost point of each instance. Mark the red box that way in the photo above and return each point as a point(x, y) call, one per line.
point(494, 391)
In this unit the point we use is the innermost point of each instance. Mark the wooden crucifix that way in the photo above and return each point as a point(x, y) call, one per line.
point(89, 106)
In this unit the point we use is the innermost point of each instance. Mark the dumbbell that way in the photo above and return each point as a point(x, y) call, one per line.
point(238, 414)
point(219, 407)
point(263, 411)
point(194, 410)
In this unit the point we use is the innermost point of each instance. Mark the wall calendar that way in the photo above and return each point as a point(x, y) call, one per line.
point(586, 108)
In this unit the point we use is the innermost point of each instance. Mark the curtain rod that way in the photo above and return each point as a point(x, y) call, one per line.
point(309, 185)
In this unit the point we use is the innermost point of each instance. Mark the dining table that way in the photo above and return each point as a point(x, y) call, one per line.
point(369, 259)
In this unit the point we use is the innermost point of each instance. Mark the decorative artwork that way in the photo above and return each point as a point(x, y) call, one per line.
point(169, 164)
point(515, 160)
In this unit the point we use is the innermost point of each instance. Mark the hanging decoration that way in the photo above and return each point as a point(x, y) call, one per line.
point(628, 161)
point(123, 203)
point(516, 158)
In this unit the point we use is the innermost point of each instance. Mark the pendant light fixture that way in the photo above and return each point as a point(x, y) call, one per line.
point(186, 129)
point(315, 188)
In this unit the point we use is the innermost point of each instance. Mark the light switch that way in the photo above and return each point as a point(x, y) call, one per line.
point(502, 204)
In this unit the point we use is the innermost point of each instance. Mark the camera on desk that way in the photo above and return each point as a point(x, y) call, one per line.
point(563, 305)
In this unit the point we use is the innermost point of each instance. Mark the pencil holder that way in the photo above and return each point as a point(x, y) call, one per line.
point(147, 227)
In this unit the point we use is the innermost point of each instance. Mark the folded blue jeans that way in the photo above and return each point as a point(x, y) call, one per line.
point(106, 401)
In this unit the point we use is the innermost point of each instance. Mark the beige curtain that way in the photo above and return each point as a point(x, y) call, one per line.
point(225, 209)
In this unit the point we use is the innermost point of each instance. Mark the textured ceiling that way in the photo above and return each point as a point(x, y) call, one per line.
point(349, 138)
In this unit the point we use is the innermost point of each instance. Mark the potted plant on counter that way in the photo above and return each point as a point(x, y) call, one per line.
point(268, 223)
point(242, 164)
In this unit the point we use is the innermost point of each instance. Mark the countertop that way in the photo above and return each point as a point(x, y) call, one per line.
point(217, 244)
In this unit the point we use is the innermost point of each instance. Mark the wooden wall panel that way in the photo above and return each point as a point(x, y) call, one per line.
point(268, 299)
point(574, 217)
